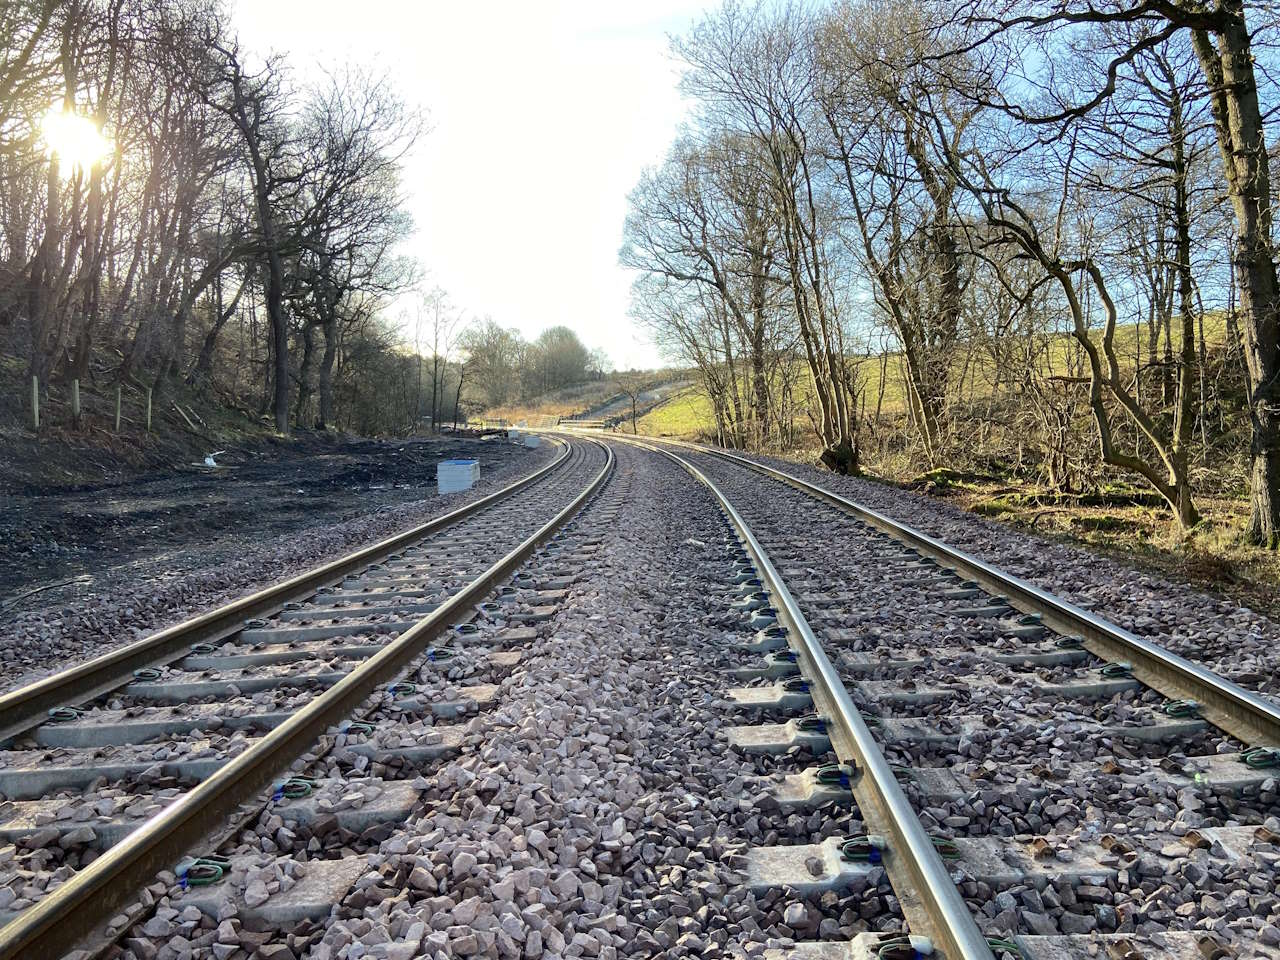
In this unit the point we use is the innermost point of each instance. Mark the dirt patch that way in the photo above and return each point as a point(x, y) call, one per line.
point(189, 513)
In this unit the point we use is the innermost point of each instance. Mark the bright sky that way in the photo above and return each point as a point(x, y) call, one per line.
point(542, 115)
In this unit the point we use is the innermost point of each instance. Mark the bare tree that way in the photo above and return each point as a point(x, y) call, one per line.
point(444, 323)
point(634, 384)
point(878, 109)
point(349, 219)
point(254, 103)
point(1222, 41)
point(756, 72)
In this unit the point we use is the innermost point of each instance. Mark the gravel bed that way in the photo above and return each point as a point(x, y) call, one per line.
point(1228, 637)
point(42, 860)
point(41, 641)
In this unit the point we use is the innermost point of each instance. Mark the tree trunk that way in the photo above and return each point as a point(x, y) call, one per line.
point(39, 292)
point(90, 308)
point(326, 374)
point(457, 397)
point(759, 311)
point(437, 395)
point(1229, 71)
point(246, 111)
point(760, 379)
point(304, 372)
point(279, 340)
point(1181, 392)
point(221, 314)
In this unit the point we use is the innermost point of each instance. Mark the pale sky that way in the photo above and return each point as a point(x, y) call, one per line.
point(542, 116)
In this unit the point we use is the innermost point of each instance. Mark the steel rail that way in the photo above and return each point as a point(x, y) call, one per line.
point(1245, 715)
point(28, 705)
point(927, 893)
point(76, 909)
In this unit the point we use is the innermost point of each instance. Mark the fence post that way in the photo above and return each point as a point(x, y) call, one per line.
point(117, 408)
point(148, 409)
point(75, 402)
point(35, 402)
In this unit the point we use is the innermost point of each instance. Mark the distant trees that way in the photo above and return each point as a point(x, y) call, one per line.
point(496, 356)
point(503, 368)
point(442, 323)
point(181, 192)
point(1015, 218)
point(557, 359)
point(599, 365)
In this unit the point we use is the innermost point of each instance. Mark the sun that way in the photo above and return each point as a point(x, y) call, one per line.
point(74, 140)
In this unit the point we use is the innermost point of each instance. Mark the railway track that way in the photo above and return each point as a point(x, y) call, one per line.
point(682, 725)
point(954, 699)
point(115, 769)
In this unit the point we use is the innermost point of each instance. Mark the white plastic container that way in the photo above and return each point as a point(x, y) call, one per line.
point(453, 476)
point(532, 440)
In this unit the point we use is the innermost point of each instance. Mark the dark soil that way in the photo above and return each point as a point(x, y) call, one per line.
point(167, 519)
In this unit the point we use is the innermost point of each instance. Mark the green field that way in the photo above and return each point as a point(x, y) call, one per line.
point(686, 414)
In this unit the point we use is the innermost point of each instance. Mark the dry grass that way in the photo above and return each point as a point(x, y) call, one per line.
point(560, 403)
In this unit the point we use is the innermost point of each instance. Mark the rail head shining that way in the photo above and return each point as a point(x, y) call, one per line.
point(920, 878)
point(29, 705)
point(77, 909)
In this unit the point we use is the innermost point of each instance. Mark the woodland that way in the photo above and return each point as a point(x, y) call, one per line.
point(1029, 239)
point(181, 217)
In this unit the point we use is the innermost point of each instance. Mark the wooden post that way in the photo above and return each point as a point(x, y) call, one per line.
point(148, 409)
point(117, 408)
point(35, 402)
point(75, 402)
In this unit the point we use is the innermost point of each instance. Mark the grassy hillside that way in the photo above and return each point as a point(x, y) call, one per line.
point(686, 414)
